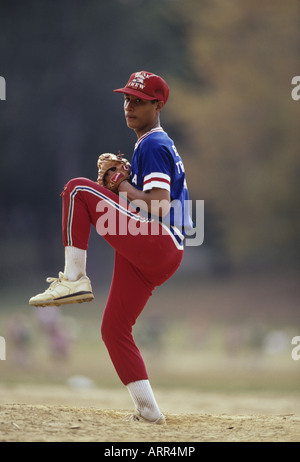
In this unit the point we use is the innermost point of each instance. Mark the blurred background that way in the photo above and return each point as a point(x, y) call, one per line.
point(227, 318)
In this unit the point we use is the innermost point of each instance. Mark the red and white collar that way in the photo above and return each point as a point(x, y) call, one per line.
point(154, 130)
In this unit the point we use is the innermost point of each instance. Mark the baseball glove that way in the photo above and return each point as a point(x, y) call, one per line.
point(108, 162)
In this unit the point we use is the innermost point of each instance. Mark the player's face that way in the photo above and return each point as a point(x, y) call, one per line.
point(141, 115)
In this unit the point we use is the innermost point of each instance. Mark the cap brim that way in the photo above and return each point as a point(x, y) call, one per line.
point(133, 92)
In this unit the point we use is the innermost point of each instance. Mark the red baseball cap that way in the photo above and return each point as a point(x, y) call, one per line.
point(146, 85)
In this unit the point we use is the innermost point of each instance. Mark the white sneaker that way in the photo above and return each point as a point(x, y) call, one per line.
point(62, 291)
point(138, 418)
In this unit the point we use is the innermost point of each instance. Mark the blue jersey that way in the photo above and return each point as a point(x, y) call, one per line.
point(157, 164)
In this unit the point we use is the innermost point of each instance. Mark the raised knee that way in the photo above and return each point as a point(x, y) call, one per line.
point(73, 183)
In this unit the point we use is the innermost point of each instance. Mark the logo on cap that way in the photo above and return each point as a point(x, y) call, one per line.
point(138, 82)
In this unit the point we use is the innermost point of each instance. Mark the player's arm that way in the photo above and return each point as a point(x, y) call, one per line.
point(155, 201)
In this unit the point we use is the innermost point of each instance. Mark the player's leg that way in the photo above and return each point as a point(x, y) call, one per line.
point(128, 295)
point(79, 211)
point(145, 244)
point(85, 203)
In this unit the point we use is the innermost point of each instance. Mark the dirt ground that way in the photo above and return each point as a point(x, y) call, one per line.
point(218, 343)
point(60, 414)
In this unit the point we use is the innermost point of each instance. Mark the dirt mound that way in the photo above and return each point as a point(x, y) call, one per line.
point(52, 423)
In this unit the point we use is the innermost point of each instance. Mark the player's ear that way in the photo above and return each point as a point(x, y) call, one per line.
point(160, 105)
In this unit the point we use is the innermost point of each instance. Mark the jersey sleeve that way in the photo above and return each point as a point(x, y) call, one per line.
point(156, 168)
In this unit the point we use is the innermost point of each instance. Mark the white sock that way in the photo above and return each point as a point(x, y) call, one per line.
point(143, 398)
point(75, 263)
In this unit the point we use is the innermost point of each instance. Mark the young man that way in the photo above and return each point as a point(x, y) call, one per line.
point(143, 259)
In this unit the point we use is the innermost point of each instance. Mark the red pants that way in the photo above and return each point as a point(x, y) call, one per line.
point(142, 262)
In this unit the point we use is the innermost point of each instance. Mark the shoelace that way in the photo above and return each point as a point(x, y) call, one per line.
point(54, 281)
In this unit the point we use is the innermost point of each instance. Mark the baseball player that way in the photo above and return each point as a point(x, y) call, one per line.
point(147, 205)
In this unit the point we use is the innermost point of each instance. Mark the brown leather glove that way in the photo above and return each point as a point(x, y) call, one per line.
point(115, 163)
